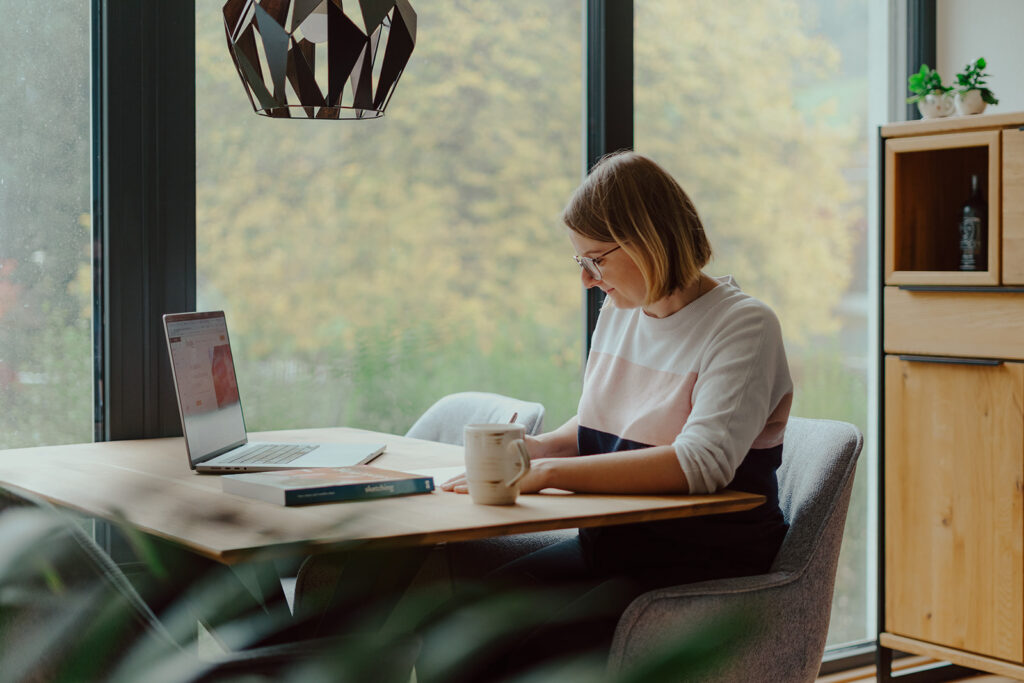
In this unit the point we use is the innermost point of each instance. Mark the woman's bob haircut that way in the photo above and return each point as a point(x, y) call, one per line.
point(632, 201)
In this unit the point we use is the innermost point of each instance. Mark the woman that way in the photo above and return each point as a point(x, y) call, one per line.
point(687, 390)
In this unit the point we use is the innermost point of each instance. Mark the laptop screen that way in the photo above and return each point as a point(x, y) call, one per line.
point(204, 377)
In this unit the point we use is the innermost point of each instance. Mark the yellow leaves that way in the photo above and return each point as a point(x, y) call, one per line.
point(719, 103)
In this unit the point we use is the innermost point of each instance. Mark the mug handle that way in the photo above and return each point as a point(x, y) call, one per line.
point(524, 462)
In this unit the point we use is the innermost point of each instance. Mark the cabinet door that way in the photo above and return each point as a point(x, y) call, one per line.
point(954, 520)
point(1013, 207)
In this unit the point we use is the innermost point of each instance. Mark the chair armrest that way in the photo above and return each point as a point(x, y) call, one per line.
point(738, 585)
point(681, 612)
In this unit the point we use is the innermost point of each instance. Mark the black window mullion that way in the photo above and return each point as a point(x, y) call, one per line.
point(609, 88)
point(144, 204)
point(920, 42)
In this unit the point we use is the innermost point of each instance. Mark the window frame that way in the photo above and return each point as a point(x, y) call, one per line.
point(608, 127)
point(144, 205)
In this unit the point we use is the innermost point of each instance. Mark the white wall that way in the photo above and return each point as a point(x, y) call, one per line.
point(993, 29)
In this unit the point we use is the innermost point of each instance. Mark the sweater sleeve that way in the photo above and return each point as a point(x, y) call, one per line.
point(741, 396)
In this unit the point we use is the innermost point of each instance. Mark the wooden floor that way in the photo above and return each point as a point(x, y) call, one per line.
point(867, 674)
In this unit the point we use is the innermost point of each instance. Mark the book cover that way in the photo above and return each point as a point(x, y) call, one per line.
point(326, 484)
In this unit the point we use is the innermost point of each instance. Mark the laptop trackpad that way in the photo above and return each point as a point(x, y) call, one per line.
point(340, 454)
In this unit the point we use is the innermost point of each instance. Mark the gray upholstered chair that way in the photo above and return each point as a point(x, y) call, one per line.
point(444, 421)
point(790, 606)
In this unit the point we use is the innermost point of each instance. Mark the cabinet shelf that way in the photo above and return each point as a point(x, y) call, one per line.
point(930, 181)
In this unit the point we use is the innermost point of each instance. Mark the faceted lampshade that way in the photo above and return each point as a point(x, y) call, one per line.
point(314, 59)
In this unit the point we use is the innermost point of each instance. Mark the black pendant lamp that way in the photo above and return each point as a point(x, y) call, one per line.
point(287, 51)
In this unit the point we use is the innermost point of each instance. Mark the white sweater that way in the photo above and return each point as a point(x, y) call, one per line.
point(711, 379)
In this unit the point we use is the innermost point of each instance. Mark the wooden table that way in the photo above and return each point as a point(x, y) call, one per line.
point(148, 485)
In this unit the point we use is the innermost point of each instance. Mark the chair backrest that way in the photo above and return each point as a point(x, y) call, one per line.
point(818, 462)
point(444, 421)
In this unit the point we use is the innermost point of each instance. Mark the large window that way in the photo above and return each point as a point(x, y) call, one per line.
point(369, 267)
point(760, 109)
point(46, 394)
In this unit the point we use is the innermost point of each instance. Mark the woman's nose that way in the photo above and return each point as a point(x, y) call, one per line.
point(588, 279)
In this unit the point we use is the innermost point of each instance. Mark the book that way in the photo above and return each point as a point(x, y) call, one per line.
point(326, 484)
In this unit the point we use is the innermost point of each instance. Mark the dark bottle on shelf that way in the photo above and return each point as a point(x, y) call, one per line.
point(972, 230)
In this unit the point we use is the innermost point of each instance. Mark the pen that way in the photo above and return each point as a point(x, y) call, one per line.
point(514, 416)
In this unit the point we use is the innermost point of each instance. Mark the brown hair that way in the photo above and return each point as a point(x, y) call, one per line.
point(632, 201)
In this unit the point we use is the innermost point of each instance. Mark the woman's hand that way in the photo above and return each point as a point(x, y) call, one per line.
point(532, 482)
point(456, 484)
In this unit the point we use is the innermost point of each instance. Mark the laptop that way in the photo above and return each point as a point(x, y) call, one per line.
point(211, 409)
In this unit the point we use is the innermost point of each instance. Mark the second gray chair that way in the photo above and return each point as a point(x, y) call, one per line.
point(444, 421)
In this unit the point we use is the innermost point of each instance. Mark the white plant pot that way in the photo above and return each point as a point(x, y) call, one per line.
point(970, 102)
point(936, 106)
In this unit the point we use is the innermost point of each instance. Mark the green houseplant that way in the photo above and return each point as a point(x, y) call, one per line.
point(68, 613)
point(971, 94)
point(932, 97)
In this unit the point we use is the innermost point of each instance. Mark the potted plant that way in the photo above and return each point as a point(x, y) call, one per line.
point(933, 98)
point(972, 96)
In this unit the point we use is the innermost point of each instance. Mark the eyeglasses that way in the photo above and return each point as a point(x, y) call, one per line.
point(592, 265)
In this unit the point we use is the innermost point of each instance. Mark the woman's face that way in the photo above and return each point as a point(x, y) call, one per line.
point(620, 279)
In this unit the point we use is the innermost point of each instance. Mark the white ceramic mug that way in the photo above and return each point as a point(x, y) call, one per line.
point(496, 459)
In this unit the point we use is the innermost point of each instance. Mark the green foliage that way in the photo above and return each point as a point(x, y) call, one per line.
point(66, 614)
point(973, 78)
point(52, 401)
point(925, 82)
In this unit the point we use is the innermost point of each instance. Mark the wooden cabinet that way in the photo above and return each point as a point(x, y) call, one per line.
point(953, 394)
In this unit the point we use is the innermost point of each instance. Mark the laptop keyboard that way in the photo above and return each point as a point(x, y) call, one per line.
point(270, 453)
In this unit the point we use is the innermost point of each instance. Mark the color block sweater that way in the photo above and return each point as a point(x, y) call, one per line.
point(712, 381)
